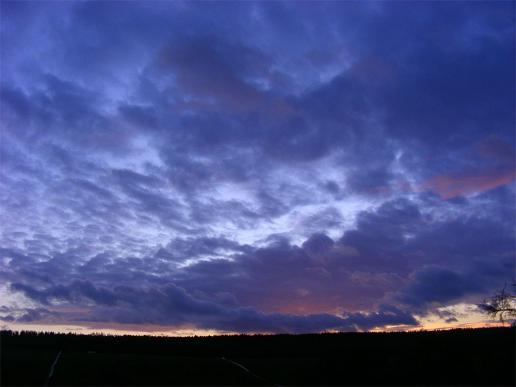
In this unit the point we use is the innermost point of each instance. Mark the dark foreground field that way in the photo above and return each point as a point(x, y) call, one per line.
point(458, 357)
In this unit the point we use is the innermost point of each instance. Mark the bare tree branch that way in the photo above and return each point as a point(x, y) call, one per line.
point(502, 305)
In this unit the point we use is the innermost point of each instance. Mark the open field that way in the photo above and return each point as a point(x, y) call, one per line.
point(457, 357)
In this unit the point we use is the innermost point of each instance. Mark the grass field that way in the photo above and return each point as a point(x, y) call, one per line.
point(458, 357)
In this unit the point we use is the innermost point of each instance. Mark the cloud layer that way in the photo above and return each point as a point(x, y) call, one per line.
point(255, 167)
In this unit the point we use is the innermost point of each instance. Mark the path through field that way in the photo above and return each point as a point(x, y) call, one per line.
point(259, 378)
point(53, 366)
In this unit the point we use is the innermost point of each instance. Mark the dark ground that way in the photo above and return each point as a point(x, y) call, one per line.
point(468, 357)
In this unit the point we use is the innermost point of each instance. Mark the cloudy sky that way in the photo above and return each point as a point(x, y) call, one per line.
point(255, 167)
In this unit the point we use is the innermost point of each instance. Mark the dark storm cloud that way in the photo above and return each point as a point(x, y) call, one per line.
point(322, 274)
point(207, 67)
point(268, 170)
point(392, 248)
point(170, 304)
point(440, 285)
point(386, 315)
point(27, 315)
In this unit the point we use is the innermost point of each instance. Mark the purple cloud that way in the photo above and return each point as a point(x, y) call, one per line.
point(268, 167)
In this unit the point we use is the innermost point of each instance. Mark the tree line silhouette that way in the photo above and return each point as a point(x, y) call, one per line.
point(453, 357)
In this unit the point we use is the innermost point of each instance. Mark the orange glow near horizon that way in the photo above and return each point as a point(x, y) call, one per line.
point(167, 331)
point(113, 329)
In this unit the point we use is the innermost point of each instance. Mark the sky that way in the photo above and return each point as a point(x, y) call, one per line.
point(255, 167)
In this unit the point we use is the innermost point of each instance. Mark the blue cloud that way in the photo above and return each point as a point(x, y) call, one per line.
point(264, 170)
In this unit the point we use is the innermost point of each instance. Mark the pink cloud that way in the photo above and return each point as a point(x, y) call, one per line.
point(448, 186)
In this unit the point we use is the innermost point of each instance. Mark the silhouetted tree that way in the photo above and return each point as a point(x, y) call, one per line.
point(502, 305)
